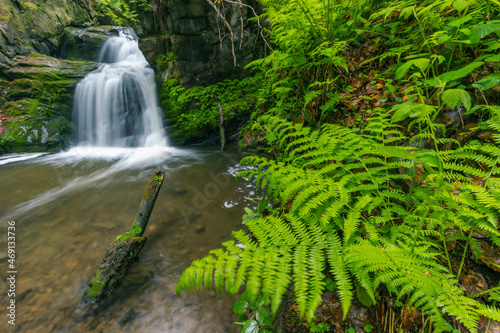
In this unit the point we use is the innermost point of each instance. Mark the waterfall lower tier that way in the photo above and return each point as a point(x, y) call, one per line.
point(116, 105)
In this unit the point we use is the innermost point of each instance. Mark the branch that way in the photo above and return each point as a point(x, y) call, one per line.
point(261, 29)
point(228, 26)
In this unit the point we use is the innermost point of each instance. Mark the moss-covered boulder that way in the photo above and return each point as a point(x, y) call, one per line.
point(38, 66)
point(47, 79)
point(85, 43)
point(36, 103)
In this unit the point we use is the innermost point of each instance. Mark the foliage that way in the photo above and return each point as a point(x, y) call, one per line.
point(195, 110)
point(341, 205)
point(33, 118)
point(134, 231)
point(322, 46)
point(367, 183)
point(319, 328)
point(164, 60)
point(254, 314)
point(122, 11)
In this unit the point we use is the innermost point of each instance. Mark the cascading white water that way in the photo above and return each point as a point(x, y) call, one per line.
point(116, 105)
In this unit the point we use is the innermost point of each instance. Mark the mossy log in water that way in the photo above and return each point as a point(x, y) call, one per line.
point(119, 257)
point(147, 203)
point(124, 250)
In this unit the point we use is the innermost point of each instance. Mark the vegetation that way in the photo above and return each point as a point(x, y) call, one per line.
point(134, 231)
point(123, 12)
point(164, 60)
point(34, 118)
point(370, 184)
point(194, 110)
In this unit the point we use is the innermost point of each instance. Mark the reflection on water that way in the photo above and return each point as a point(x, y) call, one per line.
point(69, 207)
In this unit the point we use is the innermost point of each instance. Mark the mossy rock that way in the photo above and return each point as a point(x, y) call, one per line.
point(24, 88)
point(22, 107)
point(35, 133)
point(35, 25)
point(84, 44)
point(39, 100)
point(3, 85)
point(3, 100)
point(56, 95)
point(45, 68)
point(24, 147)
point(49, 18)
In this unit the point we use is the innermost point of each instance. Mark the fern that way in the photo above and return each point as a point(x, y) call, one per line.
point(373, 206)
point(338, 186)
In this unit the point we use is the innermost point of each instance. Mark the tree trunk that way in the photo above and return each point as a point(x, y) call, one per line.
point(124, 250)
point(148, 201)
point(221, 122)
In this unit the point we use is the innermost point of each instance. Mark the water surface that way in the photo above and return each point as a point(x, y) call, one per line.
point(70, 206)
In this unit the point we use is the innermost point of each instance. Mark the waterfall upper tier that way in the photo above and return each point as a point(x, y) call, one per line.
point(117, 105)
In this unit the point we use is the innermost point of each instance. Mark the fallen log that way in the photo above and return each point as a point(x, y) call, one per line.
point(124, 250)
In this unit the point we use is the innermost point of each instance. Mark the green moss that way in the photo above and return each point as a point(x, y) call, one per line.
point(22, 107)
point(4, 84)
point(29, 5)
point(2, 102)
point(135, 230)
point(22, 88)
point(96, 286)
point(9, 13)
point(5, 17)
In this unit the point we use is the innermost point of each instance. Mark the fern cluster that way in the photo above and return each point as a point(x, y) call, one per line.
point(376, 203)
point(345, 205)
point(123, 12)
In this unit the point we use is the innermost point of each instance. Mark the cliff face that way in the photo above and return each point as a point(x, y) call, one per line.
point(37, 25)
point(190, 33)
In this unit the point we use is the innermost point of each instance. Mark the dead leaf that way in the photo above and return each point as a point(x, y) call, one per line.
point(491, 256)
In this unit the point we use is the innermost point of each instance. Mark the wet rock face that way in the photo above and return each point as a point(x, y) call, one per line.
point(36, 25)
point(191, 31)
point(84, 43)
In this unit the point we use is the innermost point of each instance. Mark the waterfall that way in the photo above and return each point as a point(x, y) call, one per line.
point(116, 105)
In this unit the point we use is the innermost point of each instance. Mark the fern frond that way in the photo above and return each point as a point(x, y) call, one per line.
point(301, 277)
point(374, 212)
point(339, 270)
point(353, 218)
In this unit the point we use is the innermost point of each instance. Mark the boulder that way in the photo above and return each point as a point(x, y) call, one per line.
point(36, 102)
point(35, 25)
point(85, 43)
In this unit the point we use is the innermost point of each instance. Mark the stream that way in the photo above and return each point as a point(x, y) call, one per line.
point(68, 207)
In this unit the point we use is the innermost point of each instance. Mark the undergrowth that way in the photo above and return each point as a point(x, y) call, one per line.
point(194, 110)
point(369, 183)
point(123, 12)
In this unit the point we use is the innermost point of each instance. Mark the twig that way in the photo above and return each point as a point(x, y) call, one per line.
point(261, 29)
point(228, 26)
point(242, 24)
